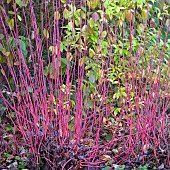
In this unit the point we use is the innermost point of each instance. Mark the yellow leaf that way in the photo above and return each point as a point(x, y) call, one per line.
point(120, 124)
point(129, 15)
point(93, 3)
point(53, 50)
point(104, 120)
point(11, 24)
point(144, 13)
point(106, 158)
point(3, 72)
point(81, 61)
point(7, 53)
point(104, 33)
point(91, 53)
point(56, 15)
point(10, 57)
point(2, 59)
point(63, 1)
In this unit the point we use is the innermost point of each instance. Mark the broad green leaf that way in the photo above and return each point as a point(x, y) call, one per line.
point(11, 22)
point(77, 14)
point(23, 47)
point(77, 22)
point(66, 13)
point(19, 2)
point(93, 4)
point(140, 2)
point(19, 17)
point(63, 1)
point(64, 70)
point(11, 12)
point(83, 15)
point(106, 3)
point(62, 47)
point(63, 62)
point(8, 1)
point(91, 22)
point(2, 59)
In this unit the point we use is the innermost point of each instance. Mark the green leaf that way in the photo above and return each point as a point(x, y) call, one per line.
point(11, 12)
point(2, 59)
point(2, 36)
point(64, 61)
point(62, 47)
point(23, 47)
point(63, 1)
point(117, 168)
point(64, 70)
point(144, 13)
point(106, 3)
point(8, 1)
point(11, 24)
point(83, 15)
point(91, 22)
point(109, 137)
point(19, 2)
point(19, 17)
point(2, 108)
point(93, 4)
point(104, 33)
point(66, 13)
point(124, 94)
point(30, 89)
point(77, 14)
point(21, 165)
point(140, 2)
point(77, 22)
point(1, 47)
point(106, 168)
point(92, 78)
point(46, 71)
point(2, 9)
